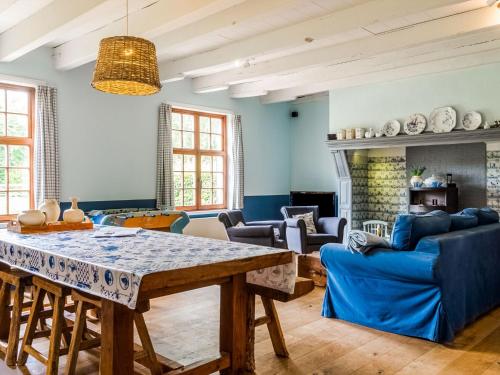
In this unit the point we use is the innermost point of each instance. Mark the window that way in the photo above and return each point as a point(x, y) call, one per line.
point(16, 149)
point(200, 155)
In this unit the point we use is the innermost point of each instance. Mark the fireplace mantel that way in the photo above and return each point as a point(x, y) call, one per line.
point(425, 139)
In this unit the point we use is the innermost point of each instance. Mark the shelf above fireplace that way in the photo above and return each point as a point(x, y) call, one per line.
point(425, 139)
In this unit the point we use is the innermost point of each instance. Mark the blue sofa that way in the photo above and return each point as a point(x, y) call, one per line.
point(431, 287)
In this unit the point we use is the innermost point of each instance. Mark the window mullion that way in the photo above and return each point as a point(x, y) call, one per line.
point(197, 160)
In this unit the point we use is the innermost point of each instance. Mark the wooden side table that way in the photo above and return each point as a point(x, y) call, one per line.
point(309, 266)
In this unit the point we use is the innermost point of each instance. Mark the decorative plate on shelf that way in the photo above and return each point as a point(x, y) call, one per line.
point(415, 124)
point(443, 120)
point(391, 128)
point(472, 120)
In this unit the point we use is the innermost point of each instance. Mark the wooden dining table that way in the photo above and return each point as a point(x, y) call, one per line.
point(126, 269)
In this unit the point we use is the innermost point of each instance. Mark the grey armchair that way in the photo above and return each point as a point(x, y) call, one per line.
point(329, 229)
point(254, 232)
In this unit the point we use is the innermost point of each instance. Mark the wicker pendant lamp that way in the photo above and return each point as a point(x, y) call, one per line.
point(126, 65)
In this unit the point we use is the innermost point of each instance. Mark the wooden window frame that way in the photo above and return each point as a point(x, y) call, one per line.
point(25, 141)
point(198, 153)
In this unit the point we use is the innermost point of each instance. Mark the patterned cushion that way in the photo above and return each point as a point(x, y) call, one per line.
point(309, 221)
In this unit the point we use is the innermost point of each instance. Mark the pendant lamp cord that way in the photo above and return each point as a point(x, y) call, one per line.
point(126, 16)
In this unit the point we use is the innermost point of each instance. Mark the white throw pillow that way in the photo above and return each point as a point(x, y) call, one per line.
point(309, 221)
point(239, 225)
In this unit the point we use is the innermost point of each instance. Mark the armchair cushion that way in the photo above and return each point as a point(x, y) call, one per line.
point(289, 212)
point(308, 221)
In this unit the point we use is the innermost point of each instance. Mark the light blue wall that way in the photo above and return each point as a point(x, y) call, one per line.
point(372, 105)
point(108, 143)
point(312, 167)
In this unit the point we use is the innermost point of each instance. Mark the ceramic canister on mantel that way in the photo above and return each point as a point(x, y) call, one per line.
point(51, 209)
point(360, 133)
point(350, 134)
point(341, 135)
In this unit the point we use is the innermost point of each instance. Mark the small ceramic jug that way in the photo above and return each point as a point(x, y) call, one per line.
point(370, 133)
point(31, 217)
point(51, 209)
point(73, 214)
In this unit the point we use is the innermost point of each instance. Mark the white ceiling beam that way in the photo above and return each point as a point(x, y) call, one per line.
point(44, 26)
point(404, 72)
point(150, 22)
point(294, 36)
point(448, 33)
point(5, 4)
point(226, 19)
point(274, 71)
point(463, 46)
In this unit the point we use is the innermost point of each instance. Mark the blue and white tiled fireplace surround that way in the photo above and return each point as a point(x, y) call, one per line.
point(373, 183)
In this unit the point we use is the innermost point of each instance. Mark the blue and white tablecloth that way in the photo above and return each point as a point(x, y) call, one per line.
point(112, 267)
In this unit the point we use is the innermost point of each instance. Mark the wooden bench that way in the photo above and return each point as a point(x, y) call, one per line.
point(309, 266)
point(268, 296)
point(13, 281)
point(60, 326)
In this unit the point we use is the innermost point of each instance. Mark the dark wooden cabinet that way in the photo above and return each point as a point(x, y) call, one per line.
point(424, 200)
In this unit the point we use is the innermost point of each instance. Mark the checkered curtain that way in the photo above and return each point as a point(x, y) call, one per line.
point(47, 182)
point(164, 160)
point(238, 167)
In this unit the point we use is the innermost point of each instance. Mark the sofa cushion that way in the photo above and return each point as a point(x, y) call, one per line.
point(409, 229)
point(321, 239)
point(484, 215)
point(459, 222)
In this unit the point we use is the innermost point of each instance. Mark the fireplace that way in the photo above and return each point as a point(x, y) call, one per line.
point(373, 177)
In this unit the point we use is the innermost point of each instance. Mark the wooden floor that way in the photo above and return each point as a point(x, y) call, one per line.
point(184, 327)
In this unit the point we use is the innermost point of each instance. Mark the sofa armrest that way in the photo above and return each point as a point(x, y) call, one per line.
point(296, 235)
point(332, 225)
point(380, 263)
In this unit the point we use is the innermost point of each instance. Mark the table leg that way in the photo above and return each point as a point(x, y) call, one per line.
point(233, 323)
point(4, 310)
point(117, 339)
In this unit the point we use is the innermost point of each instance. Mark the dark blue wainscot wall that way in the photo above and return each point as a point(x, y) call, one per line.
point(257, 207)
point(264, 207)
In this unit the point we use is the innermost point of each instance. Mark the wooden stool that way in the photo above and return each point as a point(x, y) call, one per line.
point(144, 355)
point(57, 295)
point(268, 296)
point(14, 281)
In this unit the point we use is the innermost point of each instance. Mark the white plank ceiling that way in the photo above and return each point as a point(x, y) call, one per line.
point(276, 49)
